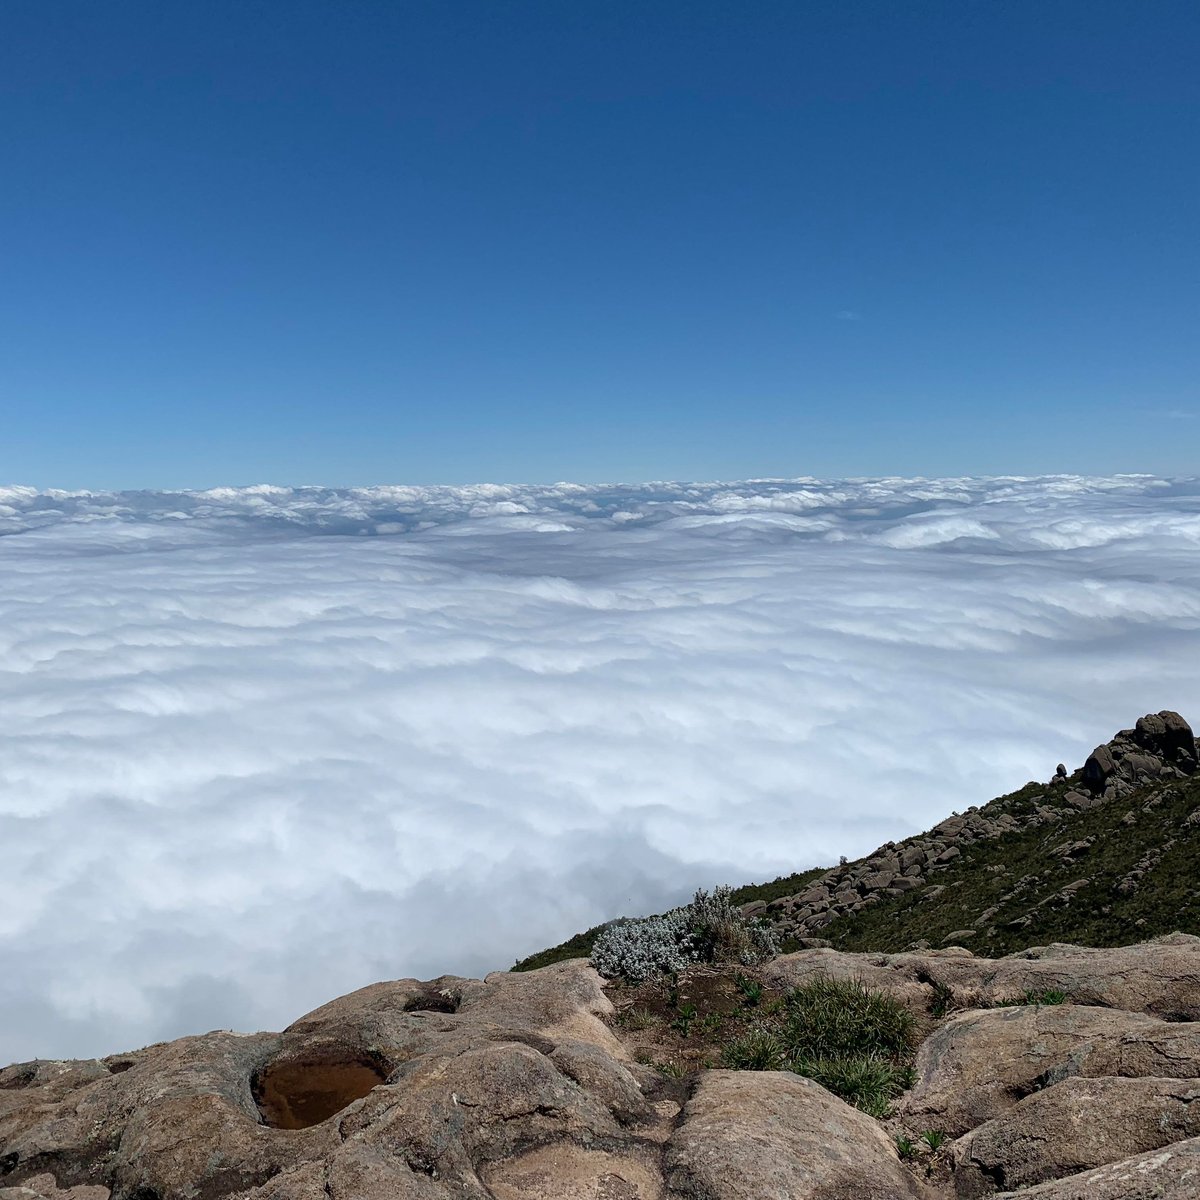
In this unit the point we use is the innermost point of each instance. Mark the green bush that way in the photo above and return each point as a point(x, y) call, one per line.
point(723, 935)
point(854, 1042)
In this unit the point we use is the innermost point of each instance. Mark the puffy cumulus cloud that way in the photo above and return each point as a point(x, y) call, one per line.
point(259, 746)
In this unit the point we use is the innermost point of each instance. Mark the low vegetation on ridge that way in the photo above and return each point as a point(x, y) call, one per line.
point(580, 946)
point(1101, 857)
point(856, 1042)
point(709, 929)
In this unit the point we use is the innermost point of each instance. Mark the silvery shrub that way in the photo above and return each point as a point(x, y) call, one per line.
point(709, 929)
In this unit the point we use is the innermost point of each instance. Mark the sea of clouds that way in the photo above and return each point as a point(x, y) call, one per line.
point(261, 746)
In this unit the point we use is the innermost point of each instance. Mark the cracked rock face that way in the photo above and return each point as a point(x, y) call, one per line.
point(1170, 1174)
point(980, 1064)
point(1072, 1127)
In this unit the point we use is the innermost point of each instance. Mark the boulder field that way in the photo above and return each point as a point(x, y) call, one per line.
point(521, 1087)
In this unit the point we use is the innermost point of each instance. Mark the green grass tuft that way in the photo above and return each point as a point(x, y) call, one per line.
point(759, 1050)
point(868, 1081)
point(827, 1018)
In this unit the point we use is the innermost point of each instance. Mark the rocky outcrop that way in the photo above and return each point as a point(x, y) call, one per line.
point(518, 1087)
point(1065, 1071)
point(383, 1092)
point(1160, 747)
point(1074, 1126)
point(508, 1088)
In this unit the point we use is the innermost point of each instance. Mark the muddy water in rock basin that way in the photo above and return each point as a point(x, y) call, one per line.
point(295, 1095)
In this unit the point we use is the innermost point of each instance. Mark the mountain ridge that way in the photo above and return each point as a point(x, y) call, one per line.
point(1114, 838)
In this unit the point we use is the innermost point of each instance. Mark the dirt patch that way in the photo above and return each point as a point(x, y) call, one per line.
point(679, 1026)
point(19, 1076)
point(295, 1094)
point(433, 1000)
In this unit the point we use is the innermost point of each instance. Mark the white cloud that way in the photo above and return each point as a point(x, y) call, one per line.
point(260, 746)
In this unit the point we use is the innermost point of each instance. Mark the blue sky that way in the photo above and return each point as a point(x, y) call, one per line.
point(358, 242)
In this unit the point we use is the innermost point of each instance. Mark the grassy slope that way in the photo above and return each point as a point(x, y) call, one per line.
point(1167, 899)
point(580, 946)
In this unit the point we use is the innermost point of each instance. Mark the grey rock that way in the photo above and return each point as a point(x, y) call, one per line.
point(979, 1064)
point(1073, 1126)
point(1098, 767)
point(1172, 1173)
point(770, 1135)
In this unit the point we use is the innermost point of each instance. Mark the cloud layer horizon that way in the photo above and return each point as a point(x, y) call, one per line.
point(261, 746)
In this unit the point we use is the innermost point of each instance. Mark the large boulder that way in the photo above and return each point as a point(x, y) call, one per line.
point(884, 972)
point(1160, 977)
point(1172, 1173)
point(1099, 767)
point(771, 1135)
point(1073, 1126)
point(1167, 736)
point(979, 1064)
point(403, 1089)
